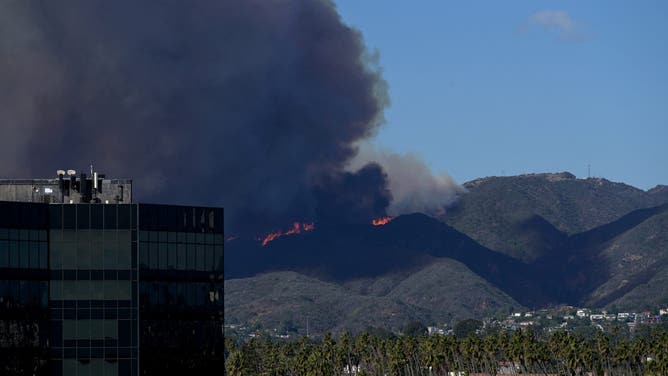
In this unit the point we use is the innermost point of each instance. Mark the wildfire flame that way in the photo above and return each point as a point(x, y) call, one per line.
point(297, 228)
point(381, 221)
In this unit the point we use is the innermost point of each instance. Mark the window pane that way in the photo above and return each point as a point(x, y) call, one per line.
point(162, 256)
point(56, 290)
point(110, 216)
point(44, 293)
point(69, 290)
point(83, 216)
point(83, 249)
point(83, 329)
point(124, 256)
point(96, 256)
point(124, 238)
point(109, 289)
point(110, 255)
point(110, 368)
point(13, 254)
point(124, 290)
point(219, 257)
point(69, 329)
point(69, 236)
point(111, 329)
point(124, 332)
point(4, 253)
point(96, 290)
point(43, 255)
point(97, 329)
point(153, 256)
point(171, 257)
point(24, 254)
point(143, 255)
point(117, 290)
point(210, 256)
point(70, 366)
point(83, 289)
point(96, 367)
point(201, 257)
point(34, 255)
point(181, 256)
point(96, 216)
point(191, 257)
point(68, 253)
point(124, 216)
point(55, 216)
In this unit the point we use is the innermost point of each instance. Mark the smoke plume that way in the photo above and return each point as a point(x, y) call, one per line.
point(253, 105)
point(414, 187)
point(353, 197)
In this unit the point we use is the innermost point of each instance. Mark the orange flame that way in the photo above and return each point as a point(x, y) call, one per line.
point(297, 228)
point(381, 221)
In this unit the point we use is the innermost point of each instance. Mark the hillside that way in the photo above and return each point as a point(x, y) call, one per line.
point(528, 216)
point(443, 291)
point(578, 242)
point(638, 267)
point(406, 244)
point(589, 267)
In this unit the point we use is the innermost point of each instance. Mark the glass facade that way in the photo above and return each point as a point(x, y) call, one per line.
point(23, 250)
point(181, 285)
point(24, 288)
point(93, 284)
point(93, 289)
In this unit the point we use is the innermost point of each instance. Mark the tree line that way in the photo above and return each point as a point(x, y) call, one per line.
point(560, 353)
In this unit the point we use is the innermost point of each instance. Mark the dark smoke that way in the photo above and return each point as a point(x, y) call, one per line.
point(355, 197)
point(248, 104)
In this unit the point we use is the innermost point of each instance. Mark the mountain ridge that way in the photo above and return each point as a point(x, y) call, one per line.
point(597, 267)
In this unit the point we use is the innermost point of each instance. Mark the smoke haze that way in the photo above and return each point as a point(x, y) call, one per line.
point(414, 187)
point(253, 105)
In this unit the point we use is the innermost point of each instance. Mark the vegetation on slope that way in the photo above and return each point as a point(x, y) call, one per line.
point(443, 291)
point(529, 216)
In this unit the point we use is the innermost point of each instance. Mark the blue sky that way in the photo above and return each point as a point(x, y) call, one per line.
point(509, 87)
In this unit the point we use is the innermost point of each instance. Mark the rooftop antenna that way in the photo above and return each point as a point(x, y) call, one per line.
point(588, 171)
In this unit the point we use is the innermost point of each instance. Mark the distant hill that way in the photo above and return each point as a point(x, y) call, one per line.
point(510, 242)
point(443, 291)
point(528, 216)
point(637, 263)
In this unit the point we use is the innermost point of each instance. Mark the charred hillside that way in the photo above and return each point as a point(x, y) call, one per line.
point(407, 243)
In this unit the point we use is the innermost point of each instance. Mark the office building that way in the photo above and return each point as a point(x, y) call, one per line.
point(93, 284)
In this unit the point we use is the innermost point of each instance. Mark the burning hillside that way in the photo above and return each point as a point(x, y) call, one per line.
point(381, 221)
point(297, 228)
